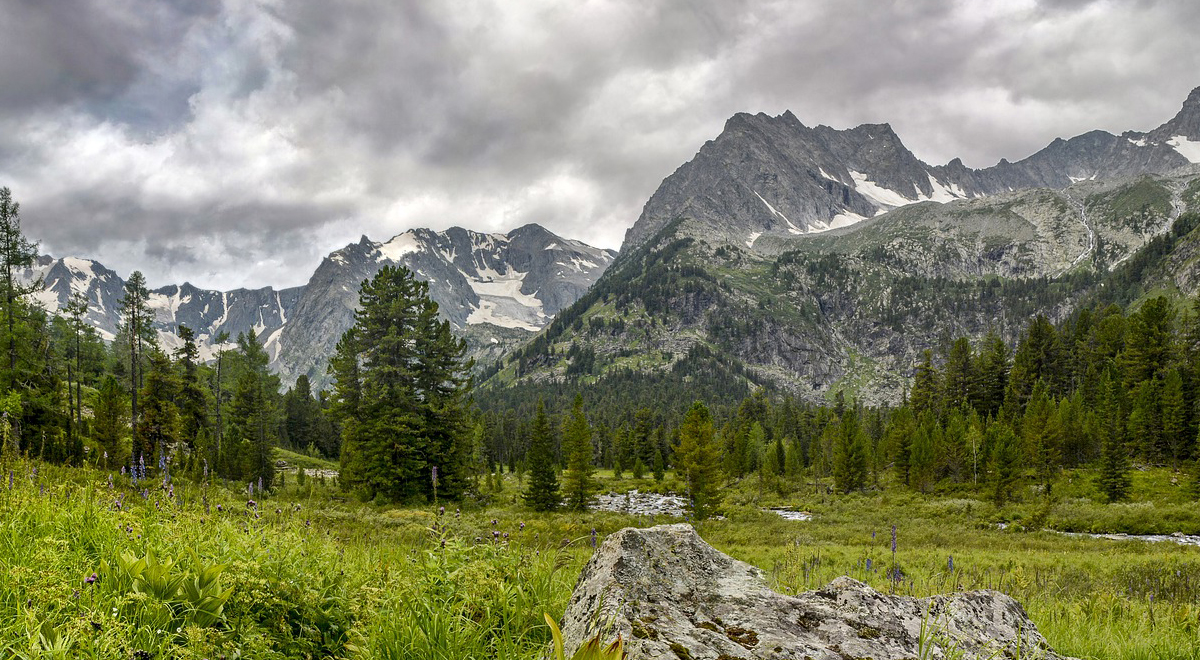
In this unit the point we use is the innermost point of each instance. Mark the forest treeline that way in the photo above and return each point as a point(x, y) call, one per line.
point(1105, 389)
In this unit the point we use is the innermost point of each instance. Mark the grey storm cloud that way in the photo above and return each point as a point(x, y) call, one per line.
point(235, 142)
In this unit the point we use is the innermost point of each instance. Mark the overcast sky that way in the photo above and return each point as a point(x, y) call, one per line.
point(234, 143)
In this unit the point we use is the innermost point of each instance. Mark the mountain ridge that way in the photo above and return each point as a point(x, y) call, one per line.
point(495, 289)
point(774, 175)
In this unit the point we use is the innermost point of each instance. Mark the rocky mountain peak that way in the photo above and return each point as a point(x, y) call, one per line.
point(767, 176)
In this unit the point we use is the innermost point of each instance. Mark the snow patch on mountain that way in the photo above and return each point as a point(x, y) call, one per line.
point(877, 193)
point(1189, 149)
point(400, 245)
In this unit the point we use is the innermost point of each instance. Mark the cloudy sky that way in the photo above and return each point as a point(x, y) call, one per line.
point(235, 142)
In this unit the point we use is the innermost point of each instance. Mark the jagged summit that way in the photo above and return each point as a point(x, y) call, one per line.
point(766, 175)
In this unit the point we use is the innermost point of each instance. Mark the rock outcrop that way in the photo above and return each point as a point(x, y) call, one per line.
point(671, 595)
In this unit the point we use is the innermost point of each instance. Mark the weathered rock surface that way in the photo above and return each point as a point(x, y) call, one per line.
point(671, 595)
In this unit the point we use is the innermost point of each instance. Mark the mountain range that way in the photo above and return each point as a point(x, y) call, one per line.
point(815, 260)
point(496, 290)
point(812, 260)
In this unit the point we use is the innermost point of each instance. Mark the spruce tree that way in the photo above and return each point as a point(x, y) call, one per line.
point(926, 387)
point(192, 403)
point(698, 460)
point(158, 431)
point(400, 386)
point(579, 486)
point(850, 456)
point(136, 327)
point(1173, 407)
point(1006, 457)
point(16, 253)
point(252, 414)
point(110, 425)
point(1114, 479)
point(542, 493)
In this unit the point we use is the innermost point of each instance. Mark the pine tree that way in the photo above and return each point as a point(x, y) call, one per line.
point(16, 253)
point(110, 426)
point(992, 380)
point(1114, 479)
point(1040, 434)
point(959, 379)
point(253, 413)
point(158, 432)
point(1174, 418)
point(699, 461)
point(400, 384)
point(925, 386)
point(542, 493)
point(135, 326)
point(850, 457)
point(1005, 463)
point(192, 403)
point(578, 483)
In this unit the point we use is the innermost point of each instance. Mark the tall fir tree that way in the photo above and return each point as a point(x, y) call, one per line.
point(158, 431)
point(400, 388)
point(543, 491)
point(579, 484)
point(1114, 479)
point(110, 426)
point(136, 319)
point(698, 460)
point(850, 457)
point(16, 254)
point(253, 413)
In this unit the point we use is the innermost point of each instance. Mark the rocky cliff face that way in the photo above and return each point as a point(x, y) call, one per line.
point(671, 595)
point(495, 289)
point(767, 175)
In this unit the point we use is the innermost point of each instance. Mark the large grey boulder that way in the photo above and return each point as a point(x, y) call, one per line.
point(671, 595)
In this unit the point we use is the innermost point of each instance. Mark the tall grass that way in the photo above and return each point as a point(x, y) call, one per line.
point(314, 575)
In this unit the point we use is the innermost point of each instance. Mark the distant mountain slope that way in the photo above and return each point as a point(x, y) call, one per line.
point(767, 175)
point(495, 289)
point(502, 287)
point(852, 309)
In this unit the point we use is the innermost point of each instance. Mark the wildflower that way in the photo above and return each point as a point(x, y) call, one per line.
point(593, 537)
point(495, 535)
point(91, 579)
point(220, 508)
point(278, 511)
point(441, 511)
point(893, 539)
point(435, 481)
point(251, 504)
point(493, 522)
point(260, 488)
point(505, 536)
point(522, 526)
point(950, 563)
point(443, 544)
point(868, 563)
point(457, 513)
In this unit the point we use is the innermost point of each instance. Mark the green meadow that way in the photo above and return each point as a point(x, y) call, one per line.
point(95, 566)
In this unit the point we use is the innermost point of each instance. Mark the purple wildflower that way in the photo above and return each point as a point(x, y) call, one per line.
point(91, 579)
point(522, 526)
point(950, 563)
point(441, 510)
point(893, 539)
point(434, 471)
point(868, 563)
